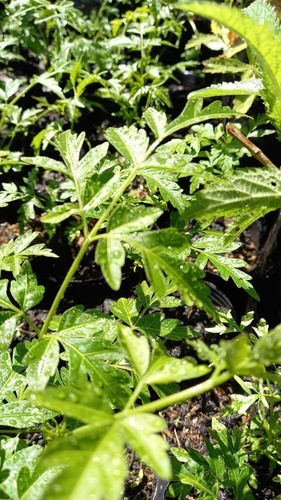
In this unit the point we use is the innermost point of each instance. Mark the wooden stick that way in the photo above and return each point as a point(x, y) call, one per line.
point(254, 150)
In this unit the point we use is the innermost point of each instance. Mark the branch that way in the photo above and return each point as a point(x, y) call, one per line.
point(254, 150)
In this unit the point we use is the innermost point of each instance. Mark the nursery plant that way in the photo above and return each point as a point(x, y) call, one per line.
point(92, 382)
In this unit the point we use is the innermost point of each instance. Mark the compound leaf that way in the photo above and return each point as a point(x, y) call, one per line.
point(42, 360)
point(129, 142)
point(25, 289)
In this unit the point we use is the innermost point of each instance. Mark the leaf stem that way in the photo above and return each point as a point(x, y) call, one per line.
point(181, 396)
point(28, 320)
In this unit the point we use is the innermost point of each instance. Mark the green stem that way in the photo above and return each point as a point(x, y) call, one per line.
point(73, 268)
point(88, 240)
point(181, 396)
point(134, 396)
point(33, 326)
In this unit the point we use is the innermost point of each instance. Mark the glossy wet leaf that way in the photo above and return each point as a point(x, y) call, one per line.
point(87, 471)
point(21, 414)
point(46, 163)
point(129, 142)
point(168, 369)
point(60, 212)
point(25, 289)
point(87, 165)
point(10, 380)
point(126, 219)
point(155, 325)
point(100, 188)
point(156, 120)
point(110, 255)
point(257, 190)
point(8, 324)
point(126, 309)
point(42, 360)
point(85, 405)
point(141, 432)
point(169, 189)
point(137, 349)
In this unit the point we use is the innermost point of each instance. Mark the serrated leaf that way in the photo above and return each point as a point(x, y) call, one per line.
point(25, 290)
point(86, 405)
point(48, 81)
point(100, 188)
point(8, 324)
point(42, 360)
point(245, 87)
point(129, 142)
point(110, 255)
point(126, 309)
point(157, 249)
point(228, 268)
point(79, 324)
point(27, 458)
point(155, 325)
point(126, 219)
point(60, 213)
point(5, 302)
point(193, 113)
point(10, 380)
point(261, 38)
point(21, 414)
point(86, 166)
point(84, 363)
point(169, 189)
point(87, 471)
point(69, 146)
point(141, 434)
point(257, 190)
point(156, 120)
point(136, 347)
point(46, 163)
point(167, 369)
point(172, 162)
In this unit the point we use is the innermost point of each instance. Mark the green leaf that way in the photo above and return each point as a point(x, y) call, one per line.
point(75, 323)
point(110, 255)
point(267, 349)
point(155, 325)
point(10, 380)
point(244, 87)
point(126, 219)
point(140, 433)
point(69, 146)
point(60, 213)
point(13, 253)
point(42, 360)
point(168, 369)
point(136, 347)
point(172, 162)
point(95, 466)
point(169, 189)
point(86, 166)
point(8, 324)
point(5, 302)
point(229, 268)
point(129, 142)
point(159, 252)
point(100, 187)
point(257, 190)
point(46, 163)
point(25, 289)
point(85, 405)
point(126, 309)
point(48, 81)
point(23, 457)
point(156, 120)
point(261, 37)
point(23, 414)
point(193, 114)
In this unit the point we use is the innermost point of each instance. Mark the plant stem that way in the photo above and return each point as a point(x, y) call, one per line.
point(28, 320)
point(73, 268)
point(254, 150)
point(88, 240)
point(181, 396)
